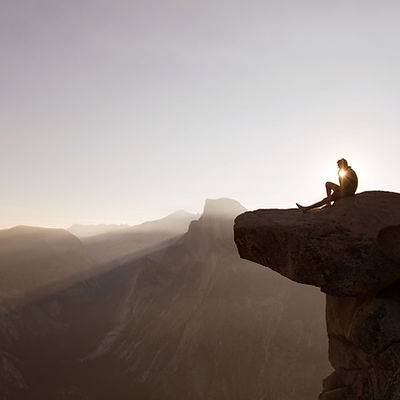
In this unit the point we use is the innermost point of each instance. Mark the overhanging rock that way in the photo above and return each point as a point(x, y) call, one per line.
point(346, 250)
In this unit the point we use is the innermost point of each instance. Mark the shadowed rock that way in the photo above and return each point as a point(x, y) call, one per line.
point(352, 252)
point(335, 249)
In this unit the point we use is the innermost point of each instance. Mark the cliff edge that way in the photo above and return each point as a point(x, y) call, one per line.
point(352, 252)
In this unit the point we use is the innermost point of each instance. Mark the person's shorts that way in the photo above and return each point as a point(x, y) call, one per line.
point(340, 193)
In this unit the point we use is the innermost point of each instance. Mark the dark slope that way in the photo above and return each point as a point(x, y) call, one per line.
point(33, 258)
point(200, 323)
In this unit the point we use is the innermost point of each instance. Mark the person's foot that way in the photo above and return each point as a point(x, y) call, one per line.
point(302, 208)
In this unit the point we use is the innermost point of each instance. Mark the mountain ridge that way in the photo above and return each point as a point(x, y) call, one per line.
point(191, 320)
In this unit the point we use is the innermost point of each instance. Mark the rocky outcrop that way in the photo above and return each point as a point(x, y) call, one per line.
point(352, 252)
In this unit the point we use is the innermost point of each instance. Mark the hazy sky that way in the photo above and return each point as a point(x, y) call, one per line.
point(124, 111)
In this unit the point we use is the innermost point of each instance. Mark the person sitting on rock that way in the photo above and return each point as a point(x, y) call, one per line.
point(348, 185)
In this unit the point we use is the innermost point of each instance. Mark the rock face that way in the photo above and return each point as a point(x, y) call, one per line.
point(352, 252)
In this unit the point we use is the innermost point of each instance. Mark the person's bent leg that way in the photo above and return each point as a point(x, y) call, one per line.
point(331, 187)
point(321, 203)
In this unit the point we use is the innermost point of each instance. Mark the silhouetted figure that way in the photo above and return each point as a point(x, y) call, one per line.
point(348, 185)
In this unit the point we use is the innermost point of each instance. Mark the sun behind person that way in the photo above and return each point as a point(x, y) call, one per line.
point(348, 185)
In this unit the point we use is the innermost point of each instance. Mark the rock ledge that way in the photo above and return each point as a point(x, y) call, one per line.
point(352, 252)
point(345, 250)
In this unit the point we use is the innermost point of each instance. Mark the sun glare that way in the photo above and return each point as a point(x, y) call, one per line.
point(342, 173)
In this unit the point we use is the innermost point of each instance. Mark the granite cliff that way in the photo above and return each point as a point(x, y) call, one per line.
point(352, 252)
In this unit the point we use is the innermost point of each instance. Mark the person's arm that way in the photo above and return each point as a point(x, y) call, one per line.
point(340, 178)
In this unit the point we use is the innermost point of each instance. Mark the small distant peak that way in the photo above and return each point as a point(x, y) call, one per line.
point(32, 229)
point(180, 214)
point(21, 228)
point(82, 231)
point(223, 207)
point(27, 231)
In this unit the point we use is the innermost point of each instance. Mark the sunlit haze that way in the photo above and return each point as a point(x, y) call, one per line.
point(125, 111)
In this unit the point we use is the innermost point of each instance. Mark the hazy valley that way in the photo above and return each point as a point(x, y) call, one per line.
point(163, 310)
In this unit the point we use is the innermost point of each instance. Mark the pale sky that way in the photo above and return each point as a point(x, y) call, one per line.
point(125, 111)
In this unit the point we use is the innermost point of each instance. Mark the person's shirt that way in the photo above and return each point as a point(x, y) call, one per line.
point(349, 182)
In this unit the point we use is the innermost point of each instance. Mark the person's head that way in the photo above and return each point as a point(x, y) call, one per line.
point(342, 163)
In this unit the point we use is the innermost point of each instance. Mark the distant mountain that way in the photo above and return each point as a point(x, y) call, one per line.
point(82, 231)
point(189, 321)
point(176, 221)
point(32, 258)
point(222, 208)
point(125, 244)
